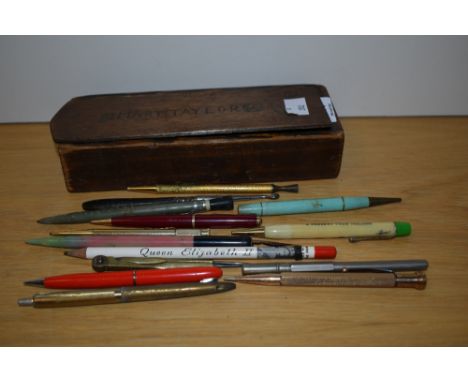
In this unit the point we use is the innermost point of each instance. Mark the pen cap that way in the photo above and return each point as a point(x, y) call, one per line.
point(224, 203)
point(402, 229)
point(415, 280)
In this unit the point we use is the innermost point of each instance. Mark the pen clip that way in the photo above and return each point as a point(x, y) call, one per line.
point(272, 196)
point(370, 270)
point(357, 239)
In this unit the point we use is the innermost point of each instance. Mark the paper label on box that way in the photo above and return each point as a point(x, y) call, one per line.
point(328, 105)
point(296, 106)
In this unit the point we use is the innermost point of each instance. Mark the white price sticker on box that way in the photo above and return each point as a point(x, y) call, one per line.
point(328, 105)
point(296, 106)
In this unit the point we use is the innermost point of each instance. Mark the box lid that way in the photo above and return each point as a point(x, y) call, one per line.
point(168, 114)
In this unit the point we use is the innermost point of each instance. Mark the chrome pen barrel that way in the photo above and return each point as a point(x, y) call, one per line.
point(344, 266)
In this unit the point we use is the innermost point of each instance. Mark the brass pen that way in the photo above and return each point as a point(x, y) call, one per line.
point(108, 263)
point(415, 280)
point(217, 188)
point(124, 294)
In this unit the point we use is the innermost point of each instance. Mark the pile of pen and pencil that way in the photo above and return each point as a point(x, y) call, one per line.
point(166, 247)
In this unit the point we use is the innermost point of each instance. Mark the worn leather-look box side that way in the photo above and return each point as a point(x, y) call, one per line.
point(235, 135)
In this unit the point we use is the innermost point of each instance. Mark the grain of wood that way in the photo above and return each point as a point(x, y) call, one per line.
point(422, 160)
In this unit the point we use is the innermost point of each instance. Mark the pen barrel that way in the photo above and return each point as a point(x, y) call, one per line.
point(189, 221)
point(347, 266)
point(105, 263)
point(75, 298)
point(355, 280)
point(211, 189)
point(223, 203)
point(142, 241)
point(124, 294)
point(135, 232)
point(304, 206)
point(101, 204)
point(265, 252)
point(330, 230)
point(132, 278)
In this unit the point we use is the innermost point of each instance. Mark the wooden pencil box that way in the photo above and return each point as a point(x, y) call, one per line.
point(231, 135)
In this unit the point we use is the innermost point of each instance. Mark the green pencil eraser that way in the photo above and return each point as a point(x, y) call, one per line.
point(402, 229)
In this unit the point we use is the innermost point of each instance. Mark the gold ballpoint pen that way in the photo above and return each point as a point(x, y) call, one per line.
point(124, 294)
point(216, 188)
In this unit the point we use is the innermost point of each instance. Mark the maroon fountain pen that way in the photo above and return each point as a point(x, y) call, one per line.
point(184, 221)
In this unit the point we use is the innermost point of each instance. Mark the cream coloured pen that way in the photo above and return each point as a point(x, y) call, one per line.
point(353, 231)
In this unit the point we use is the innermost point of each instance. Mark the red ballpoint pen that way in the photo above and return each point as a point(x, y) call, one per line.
point(128, 278)
point(184, 221)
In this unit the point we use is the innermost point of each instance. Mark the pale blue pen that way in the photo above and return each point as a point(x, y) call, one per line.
point(305, 206)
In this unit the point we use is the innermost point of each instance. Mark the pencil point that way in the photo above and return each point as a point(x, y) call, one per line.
point(34, 241)
point(77, 253)
point(37, 282)
point(377, 201)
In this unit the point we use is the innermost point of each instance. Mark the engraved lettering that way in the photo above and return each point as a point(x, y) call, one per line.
point(186, 112)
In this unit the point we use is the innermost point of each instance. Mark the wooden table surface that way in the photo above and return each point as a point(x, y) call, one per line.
point(422, 160)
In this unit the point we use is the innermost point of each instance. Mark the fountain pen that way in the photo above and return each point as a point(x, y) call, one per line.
point(124, 294)
point(223, 203)
point(99, 204)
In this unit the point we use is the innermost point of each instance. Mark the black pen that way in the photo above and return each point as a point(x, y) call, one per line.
point(223, 203)
point(100, 204)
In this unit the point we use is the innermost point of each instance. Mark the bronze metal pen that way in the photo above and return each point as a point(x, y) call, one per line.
point(124, 294)
point(415, 280)
point(216, 188)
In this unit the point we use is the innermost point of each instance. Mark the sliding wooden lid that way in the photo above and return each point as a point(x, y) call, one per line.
point(169, 114)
